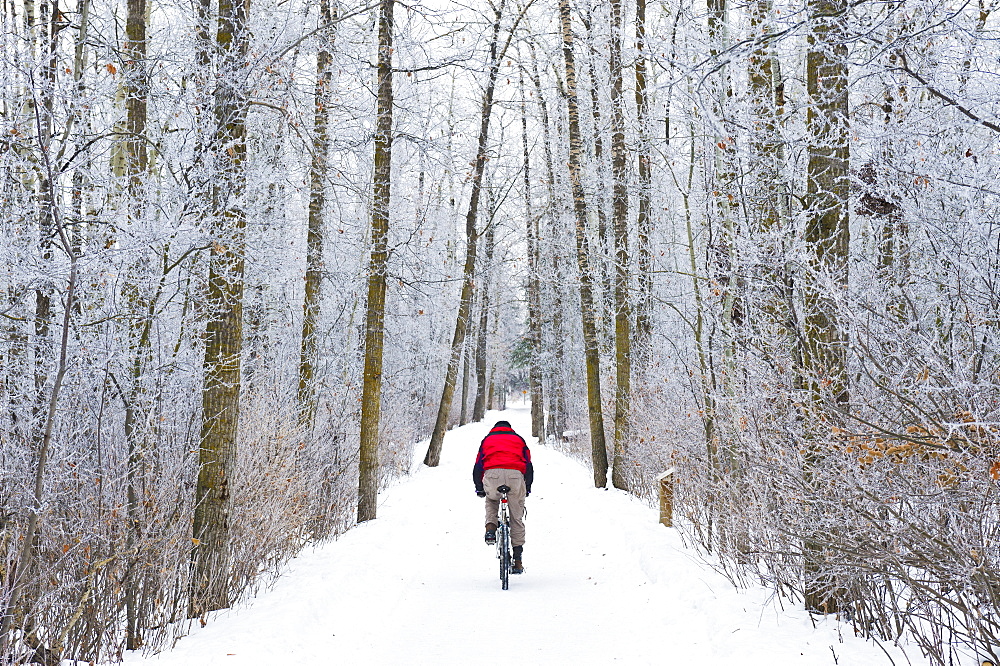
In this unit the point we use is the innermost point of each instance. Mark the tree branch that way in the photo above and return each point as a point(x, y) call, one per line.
point(942, 96)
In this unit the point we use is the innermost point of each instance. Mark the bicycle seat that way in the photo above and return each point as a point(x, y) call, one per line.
point(503, 489)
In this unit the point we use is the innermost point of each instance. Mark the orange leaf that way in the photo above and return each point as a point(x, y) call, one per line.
point(112, 69)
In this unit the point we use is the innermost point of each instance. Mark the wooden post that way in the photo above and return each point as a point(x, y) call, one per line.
point(665, 482)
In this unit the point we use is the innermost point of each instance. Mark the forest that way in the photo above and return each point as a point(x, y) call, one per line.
point(255, 256)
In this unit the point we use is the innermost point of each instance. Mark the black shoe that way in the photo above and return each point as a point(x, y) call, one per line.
point(491, 534)
point(517, 567)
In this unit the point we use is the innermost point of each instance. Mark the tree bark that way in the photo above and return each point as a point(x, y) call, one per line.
point(768, 212)
point(433, 456)
point(136, 89)
point(599, 450)
point(706, 384)
point(224, 329)
point(23, 568)
point(46, 355)
point(727, 275)
point(623, 309)
point(644, 220)
point(78, 119)
point(533, 286)
point(827, 236)
point(136, 96)
point(827, 189)
point(552, 368)
point(604, 242)
point(463, 416)
point(479, 408)
point(318, 172)
point(46, 198)
point(371, 391)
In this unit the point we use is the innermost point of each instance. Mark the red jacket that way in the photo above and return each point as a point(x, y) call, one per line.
point(503, 448)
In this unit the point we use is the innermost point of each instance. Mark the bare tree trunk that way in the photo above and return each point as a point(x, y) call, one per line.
point(551, 371)
point(135, 436)
point(705, 381)
point(136, 89)
point(46, 203)
point(224, 330)
point(644, 220)
point(78, 119)
point(479, 409)
point(371, 391)
point(593, 362)
point(23, 568)
point(828, 181)
point(13, 187)
point(724, 190)
point(558, 411)
point(604, 242)
point(762, 78)
point(136, 96)
point(623, 309)
point(534, 288)
point(433, 456)
point(318, 172)
point(47, 358)
point(767, 100)
point(827, 235)
point(463, 416)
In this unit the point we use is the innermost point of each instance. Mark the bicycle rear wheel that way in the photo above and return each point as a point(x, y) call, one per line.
point(503, 543)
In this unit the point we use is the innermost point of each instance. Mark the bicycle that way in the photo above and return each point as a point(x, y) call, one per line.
point(503, 537)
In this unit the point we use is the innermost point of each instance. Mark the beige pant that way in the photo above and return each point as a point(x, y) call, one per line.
point(492, 478)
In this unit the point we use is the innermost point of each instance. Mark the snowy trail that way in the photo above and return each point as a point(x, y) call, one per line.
point(604, 583)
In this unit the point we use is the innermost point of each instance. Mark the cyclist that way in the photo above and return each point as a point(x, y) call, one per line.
point(504, 459)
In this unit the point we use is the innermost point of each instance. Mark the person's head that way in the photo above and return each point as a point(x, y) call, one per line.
point(501, 424)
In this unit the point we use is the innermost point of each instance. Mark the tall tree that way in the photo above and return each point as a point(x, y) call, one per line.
point(533, 287)
point(224, 328)
point(47, 36)
point(479, 408)
point(136, 89)
point(644, 219)
point(136, 84)
point(623, 310)
point(463, 416)
point(318, 173)
point(18, 577)
point(552, 368)
point(371, 390)
point(721, 220)
point(766, 97)
point(497, 54)
point(827, 235)
point(42, 38)
point(604, 251)
point(599, 450)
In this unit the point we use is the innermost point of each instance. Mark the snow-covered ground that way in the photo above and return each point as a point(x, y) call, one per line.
point(604, 583)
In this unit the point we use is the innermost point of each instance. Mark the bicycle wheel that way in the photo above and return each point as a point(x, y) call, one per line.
point(503, 544)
